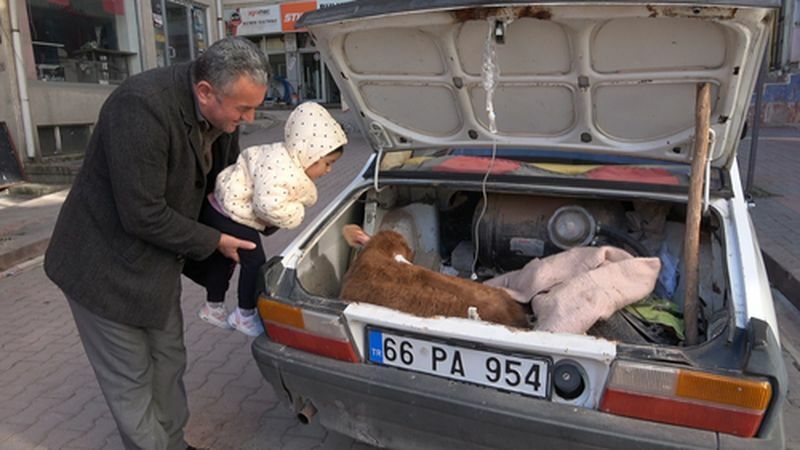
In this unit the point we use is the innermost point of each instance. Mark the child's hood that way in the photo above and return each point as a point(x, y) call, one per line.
point(312, 133)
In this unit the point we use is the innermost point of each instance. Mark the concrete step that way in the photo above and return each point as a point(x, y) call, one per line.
point(53, 172)
point(25, 228)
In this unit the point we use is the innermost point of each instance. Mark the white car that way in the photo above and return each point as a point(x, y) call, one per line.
point(509, 132)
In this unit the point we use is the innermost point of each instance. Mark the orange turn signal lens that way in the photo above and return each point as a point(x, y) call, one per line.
point(280, 313)
point(748, 394)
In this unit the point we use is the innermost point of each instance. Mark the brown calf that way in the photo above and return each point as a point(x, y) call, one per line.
point(377, 276)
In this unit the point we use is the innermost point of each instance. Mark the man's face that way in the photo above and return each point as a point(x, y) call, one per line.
point(225, 110)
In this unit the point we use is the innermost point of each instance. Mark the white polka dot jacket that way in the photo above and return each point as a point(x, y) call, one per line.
point(268, 184)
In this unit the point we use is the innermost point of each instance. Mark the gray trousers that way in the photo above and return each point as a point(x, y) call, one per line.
point(140, 371)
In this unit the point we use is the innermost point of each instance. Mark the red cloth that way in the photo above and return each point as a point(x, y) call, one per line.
point(476, 164)
point(633, 174)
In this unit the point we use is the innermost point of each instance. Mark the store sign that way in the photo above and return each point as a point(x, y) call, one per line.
point(269, 19)
point(253, 21)
point(322, 4)
point(291, 13)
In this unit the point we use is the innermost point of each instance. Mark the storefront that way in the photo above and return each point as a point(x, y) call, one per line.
point(299, 74)
point(68, 56)
point(180, 30)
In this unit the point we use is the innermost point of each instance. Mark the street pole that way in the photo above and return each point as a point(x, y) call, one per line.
point(751, 164)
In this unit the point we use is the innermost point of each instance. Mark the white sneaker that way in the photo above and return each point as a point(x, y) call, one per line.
point(215, 316)
point(249, 325)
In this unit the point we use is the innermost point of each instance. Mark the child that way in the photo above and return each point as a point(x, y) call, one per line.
point(267, 188)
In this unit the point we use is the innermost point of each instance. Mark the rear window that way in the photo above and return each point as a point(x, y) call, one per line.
point(515, 163)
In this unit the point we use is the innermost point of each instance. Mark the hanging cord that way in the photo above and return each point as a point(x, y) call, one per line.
point(490, 72)
point(378, 168)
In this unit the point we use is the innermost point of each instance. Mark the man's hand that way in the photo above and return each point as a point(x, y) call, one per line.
point(229, 246)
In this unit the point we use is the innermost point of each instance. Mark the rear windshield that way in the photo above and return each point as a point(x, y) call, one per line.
point(514, 163)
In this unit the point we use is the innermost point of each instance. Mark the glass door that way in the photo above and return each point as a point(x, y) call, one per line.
point(199, 30)
point(312, 76)
point(181, 31)
point(159, 32)
point(179, 46)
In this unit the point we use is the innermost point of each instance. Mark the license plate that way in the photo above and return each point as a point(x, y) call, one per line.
point(525, 374)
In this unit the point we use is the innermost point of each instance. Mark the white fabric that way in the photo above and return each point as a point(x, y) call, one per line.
point(268, 184)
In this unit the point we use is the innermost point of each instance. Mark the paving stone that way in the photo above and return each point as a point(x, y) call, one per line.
point(113, 442)
point(201, 370)
point(22, 370)
point(33, 412)
point(235, 365)
point(37, 432)
point(10, 358)
point(59, 437)
point(215, 383)
point(250, 377)
point(7, 430)
point(97, 436)
point(76, 402)
point(221, 352)
point(85, 418)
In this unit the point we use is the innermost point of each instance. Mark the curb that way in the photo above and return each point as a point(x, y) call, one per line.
point(22, 253)
point(782, 279)
point(25, 228)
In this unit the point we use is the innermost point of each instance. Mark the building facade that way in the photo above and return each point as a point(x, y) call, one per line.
point(299, 74)
point(62, 58)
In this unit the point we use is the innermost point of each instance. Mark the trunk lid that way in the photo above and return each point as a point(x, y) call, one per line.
point(597, 78)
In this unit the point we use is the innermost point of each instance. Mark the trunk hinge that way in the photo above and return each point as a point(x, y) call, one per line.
point(371, 214)
point(382, 141)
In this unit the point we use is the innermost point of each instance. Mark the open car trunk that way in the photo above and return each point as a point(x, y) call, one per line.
point(438, 224)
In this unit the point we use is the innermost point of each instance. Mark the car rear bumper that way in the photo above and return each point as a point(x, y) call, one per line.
point(399, 409)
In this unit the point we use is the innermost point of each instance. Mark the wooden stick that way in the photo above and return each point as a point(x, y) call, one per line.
point(694, 211)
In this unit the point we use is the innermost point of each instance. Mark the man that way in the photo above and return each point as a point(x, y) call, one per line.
point(130, 221)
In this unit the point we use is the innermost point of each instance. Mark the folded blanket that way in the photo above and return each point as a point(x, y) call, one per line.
point(572, 290)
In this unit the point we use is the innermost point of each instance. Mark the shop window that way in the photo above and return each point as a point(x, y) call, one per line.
point(304, 41)
point(181, 31)
point(312, 77)
point(85, 41)
point(63, 139)
point(274, 43)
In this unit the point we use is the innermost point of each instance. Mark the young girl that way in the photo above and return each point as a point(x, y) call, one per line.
point(267, 188)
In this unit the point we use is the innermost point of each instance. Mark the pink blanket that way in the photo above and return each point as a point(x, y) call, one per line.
point(572, 290)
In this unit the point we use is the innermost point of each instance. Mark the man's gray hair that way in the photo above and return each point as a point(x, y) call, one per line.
point(228, 59)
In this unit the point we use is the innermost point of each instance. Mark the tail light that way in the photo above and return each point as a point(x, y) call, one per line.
point(687, 397)
point(310, 331)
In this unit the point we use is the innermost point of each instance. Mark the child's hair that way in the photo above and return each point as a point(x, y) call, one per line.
point(339, 150)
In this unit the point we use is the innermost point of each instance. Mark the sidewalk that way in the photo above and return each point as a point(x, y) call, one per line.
point(776, 194)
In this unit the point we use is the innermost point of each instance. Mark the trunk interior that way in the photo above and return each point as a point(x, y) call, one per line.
point(445, 228)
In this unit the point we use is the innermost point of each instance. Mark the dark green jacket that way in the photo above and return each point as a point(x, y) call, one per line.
point(130, 219)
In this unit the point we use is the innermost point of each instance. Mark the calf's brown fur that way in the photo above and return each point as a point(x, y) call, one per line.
point(377, 277)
